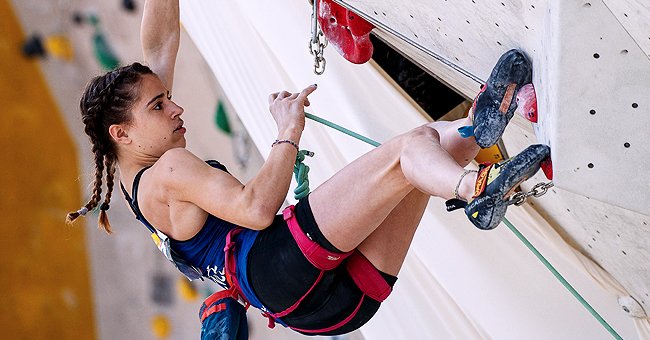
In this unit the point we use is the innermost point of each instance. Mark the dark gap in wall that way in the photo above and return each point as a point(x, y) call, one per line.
point(435, 98)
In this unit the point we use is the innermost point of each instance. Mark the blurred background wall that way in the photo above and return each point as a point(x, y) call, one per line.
point(76, 282)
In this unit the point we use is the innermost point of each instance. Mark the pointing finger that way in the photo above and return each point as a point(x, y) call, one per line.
point(307, 91)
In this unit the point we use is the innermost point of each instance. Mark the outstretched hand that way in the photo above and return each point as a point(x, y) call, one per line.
point(288, 109)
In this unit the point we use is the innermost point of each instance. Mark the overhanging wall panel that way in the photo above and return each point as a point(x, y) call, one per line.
point(593, 154)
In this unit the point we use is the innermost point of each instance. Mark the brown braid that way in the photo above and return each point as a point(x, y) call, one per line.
point(106, 100)
point(110, 174)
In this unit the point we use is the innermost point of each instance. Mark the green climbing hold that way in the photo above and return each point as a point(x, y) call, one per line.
point(221, 118)
point(103, 51)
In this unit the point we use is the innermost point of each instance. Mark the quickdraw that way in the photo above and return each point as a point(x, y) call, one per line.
point(318, 42)
point(537, 191)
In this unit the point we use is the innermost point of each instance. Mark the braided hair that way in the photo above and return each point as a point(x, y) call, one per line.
point(107, 100)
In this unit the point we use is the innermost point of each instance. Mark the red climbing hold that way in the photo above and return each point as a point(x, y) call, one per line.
point(527, 102)
point(348, 32)
point(547, 167)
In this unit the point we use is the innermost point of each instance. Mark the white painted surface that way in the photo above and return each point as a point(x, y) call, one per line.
point(634, 16)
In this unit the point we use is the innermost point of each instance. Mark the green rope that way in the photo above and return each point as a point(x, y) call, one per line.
point(301, 170)
point(564, 282)
point(342, 129)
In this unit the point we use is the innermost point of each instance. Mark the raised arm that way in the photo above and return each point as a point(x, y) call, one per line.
point(160, 36)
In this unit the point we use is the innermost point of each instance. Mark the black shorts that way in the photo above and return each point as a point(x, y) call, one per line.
point(279, 274)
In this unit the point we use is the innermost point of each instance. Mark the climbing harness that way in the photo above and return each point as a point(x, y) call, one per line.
point(538, 190)
point(363, 273)
point(517, 199)
point(318, 42)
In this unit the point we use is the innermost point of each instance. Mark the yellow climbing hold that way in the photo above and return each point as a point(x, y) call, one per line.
point(160, 326)
point(59, 46)
point(187, 290)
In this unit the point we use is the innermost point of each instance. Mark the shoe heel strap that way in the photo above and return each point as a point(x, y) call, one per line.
point(507, 98)
point(481, 179)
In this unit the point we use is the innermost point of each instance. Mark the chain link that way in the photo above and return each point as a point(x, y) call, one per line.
point(537, 191)
point(318, 42)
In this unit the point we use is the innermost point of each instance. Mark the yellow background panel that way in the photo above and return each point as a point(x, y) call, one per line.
point(44, 277)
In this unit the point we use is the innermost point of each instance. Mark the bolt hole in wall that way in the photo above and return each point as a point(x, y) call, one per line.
point(590, 165)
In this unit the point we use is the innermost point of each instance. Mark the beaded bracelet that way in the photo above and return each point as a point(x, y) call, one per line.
point(280, 141)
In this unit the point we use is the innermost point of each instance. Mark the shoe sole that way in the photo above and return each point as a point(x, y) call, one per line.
point(495, 106)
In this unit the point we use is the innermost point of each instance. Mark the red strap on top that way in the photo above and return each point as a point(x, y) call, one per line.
point(320, 257)
point(222, 294)
point(367, 277)
point(211, 305)
point(213, 309)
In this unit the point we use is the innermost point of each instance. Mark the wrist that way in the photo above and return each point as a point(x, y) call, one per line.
point(292, 133)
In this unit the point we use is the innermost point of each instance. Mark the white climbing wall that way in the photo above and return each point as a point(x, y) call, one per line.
point(592, 74)
point(599, 107)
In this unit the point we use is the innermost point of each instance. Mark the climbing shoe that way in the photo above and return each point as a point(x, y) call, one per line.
point(496, 182)
point(495, 104)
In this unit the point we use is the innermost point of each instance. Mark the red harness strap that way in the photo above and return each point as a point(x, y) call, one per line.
point(367, 277)
point(230, 267)
point(320, 257)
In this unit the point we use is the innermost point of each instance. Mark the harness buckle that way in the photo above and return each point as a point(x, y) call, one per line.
point(287, 213)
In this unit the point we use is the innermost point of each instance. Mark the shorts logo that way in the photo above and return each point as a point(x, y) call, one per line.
point(333, 258)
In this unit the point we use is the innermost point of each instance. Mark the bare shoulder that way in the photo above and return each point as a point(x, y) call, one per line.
point(184, 175)
point(176, 166)
point(177, 156)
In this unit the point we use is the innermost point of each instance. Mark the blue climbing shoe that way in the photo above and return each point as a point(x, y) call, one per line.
point(496, 182)
point(495, 105)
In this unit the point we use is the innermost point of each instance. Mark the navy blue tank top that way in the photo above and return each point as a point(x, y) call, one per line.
point(205, 249)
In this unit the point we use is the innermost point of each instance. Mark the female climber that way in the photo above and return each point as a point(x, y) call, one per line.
point(324, 265)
